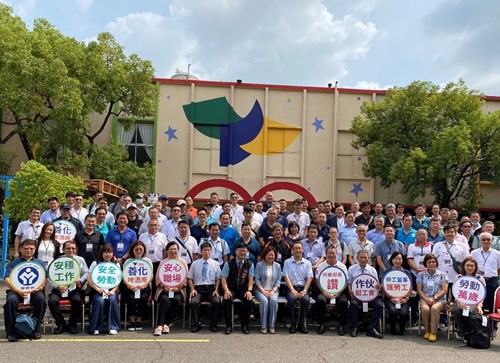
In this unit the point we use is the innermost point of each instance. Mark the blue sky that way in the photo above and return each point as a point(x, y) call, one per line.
point(371, 44)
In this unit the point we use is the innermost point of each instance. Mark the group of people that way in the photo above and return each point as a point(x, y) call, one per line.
point(257, 253)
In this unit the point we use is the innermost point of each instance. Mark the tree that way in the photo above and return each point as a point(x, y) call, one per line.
point(33, 185)
point(51, 83)
point(111, 163)
point(430, 139)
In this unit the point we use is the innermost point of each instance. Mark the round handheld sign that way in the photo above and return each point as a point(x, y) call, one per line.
point(364, 287)
point(397, 284)
point(469, 290)
point(172, 272)
point(27, 277)
point(332, 280)
point(137, 272)
point(106, 275)
point(64, 271)
point(65, 231)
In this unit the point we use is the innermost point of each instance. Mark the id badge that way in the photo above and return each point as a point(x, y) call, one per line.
point(151, 252)
point(278, 258)
point(120, 246)
point(89, 247)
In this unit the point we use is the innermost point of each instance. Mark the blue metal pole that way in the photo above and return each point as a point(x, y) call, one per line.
point(5, 237)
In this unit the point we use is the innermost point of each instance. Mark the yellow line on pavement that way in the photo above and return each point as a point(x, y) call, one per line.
point(114, 340)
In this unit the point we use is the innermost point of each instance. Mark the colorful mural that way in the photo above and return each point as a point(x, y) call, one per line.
point(239, 136)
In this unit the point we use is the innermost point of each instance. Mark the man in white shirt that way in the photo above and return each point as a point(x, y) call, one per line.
point(187, 244)
point(79, 211)
point(302, 219)
point(29, 229)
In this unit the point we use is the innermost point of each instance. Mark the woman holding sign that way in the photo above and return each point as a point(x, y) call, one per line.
point(397, 288)
point(138, 273)
point(105, 277)
point(469, 268)
point(432, 286)
point(171, 281)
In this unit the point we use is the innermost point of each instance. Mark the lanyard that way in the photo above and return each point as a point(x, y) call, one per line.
point(485, 259)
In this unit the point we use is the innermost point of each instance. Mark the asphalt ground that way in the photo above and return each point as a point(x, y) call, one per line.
point(183, 346)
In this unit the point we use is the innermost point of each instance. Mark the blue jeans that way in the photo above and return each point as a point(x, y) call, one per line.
point(268, 309)
point(99, 305)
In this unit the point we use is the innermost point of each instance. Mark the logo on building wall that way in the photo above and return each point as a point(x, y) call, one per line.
point(239, 136)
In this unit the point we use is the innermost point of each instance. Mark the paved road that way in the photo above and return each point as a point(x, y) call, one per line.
point(182, 346)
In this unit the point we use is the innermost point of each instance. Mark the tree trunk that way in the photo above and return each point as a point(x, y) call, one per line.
point(26, 145)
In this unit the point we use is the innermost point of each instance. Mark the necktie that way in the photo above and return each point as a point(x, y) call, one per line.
point(204, 272)
point(240, 266)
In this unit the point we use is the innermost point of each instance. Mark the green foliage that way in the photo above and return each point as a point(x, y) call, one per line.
point(6, 157)
point(33, 185)
point(51, 83)
point(111, 163)
point(430, 139)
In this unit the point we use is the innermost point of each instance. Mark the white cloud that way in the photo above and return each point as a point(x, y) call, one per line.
point(24, 8)
point(84, 5)
point(368, 85)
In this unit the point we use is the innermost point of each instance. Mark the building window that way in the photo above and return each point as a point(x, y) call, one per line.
point(138, 139)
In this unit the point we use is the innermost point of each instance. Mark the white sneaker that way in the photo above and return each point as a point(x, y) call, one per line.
point(441, 327)
point(113, 332)
point(96, 332)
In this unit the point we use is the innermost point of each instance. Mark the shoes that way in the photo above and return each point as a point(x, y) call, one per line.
point(374, 334)
point(60, 329)
point(73, 330)
point(196, 328)
point(263, 331)
point(432, 337)
point(138, 325)
point(426, 335)
point(158, 331)
point(37, 336)
point(213, 328)
point(12, 338)
point(293, 329)
point(303, 329)
point(166, 329)
point(113, 332)
point(96, 332)
point(245, 330)
point(354, 332)
point(228, 330)
point(252, 317)
point(321, 329)
point(131, 326)
point(341, 330)
point(272, 331)
point(442, 327)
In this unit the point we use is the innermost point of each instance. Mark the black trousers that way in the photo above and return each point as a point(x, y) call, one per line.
point(75, 298)
point(11, 307)
point(168, 307)
point(304, 306)
point(355, 304)
point(204, 293)
point(403, 314)
point(247, 307)
point(341, 303)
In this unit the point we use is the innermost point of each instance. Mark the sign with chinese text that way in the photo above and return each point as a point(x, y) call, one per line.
point(137, 272)
point(27, 277)
point(106, 275)
point(64, 271)
point(397, 284)
point(65, 231)
point(172, 272)
point(332, 280)
point(364, 287)
point(469, 290)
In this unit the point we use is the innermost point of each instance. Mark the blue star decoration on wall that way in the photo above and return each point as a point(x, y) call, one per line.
point(318, 124)
point(171, 133)
point(356, 189)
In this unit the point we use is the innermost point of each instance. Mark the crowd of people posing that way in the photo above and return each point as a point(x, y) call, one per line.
point(257, 253)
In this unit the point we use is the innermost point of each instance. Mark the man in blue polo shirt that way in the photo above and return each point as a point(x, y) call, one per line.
point(407, 234)
point(386, 248)
point(121, 237)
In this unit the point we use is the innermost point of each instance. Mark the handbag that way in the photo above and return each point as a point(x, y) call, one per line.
point(457, 266)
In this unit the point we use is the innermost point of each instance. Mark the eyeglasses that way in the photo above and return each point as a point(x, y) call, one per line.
point(70, 248)
point(486, 239)
point(465, 226)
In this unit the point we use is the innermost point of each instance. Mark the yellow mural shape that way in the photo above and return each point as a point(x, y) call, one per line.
point(279, 137)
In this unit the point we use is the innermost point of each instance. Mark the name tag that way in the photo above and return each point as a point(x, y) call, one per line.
point(184, 254)
point(120, 246)
point(151, 252)
point(448, 262)
point(310, 255)
point(278, 258)
point(89, 247)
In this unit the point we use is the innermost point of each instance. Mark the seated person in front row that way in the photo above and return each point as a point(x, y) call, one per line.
point(324, 297)
point(37, 298)
point(362, 267)
point(237, 282)
point(203, 281)
point(298, 275)
point(72, 293)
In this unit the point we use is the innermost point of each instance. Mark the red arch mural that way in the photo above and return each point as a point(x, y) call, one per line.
point(214, 183)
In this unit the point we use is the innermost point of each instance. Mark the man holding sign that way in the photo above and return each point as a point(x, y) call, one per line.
point(331, 278)
point(364, 288)
point(25, 284)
